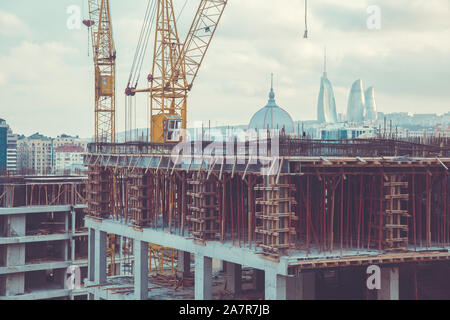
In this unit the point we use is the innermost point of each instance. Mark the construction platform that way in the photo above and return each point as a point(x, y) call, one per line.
point(309, 206)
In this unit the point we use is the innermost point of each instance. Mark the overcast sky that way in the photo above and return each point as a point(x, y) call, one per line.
point(46, 77)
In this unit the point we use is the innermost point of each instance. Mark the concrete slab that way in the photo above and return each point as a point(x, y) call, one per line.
point(40, 295)
point(35, 267)
point(30, 239)
point(39, 209)
point(224, 251)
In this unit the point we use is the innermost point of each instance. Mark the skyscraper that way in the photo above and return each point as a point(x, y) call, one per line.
point(356, 103)
point(371, 107)
point(3, 145)
point(11, 162)
point(326, 106)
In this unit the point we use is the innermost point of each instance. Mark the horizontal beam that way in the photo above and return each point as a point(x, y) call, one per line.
point(40, 295)
point(41, 238)
point(35, 267)
point(40, 209)
point(212, 249)
point(372, 259)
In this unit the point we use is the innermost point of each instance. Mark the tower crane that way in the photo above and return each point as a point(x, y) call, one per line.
point(104, 55)
point(176, 65)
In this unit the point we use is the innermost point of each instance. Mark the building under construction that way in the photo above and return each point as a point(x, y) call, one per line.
point(301, 220)
point(42, 234)
point(308, 230)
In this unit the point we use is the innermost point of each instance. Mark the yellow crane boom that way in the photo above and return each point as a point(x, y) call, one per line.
point(176, 65)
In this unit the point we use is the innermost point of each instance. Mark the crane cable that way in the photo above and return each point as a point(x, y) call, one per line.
point(135, 59)
point(144, 36)
point(146, 42)
point(181, 11)
point(306, 20)
point(83, 14)
point(130, 103)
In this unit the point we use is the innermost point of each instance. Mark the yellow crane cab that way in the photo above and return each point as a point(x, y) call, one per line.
point(167, 128)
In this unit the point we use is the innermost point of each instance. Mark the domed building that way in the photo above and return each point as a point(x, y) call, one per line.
point(272, 117)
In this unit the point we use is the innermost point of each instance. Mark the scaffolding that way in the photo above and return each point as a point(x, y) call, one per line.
point(390, 196)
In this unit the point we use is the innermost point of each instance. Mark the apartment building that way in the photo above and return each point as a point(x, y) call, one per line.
point(11, 152)
point(68, 158)
point(35, 154)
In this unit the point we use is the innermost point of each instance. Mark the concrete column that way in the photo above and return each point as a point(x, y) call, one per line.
point(258, 280)
point(72, 251)
point(302, 287)
point(275, 286)
point(91, 254)
point(121, 256)
point(15, 255)
point(100, 257)
point(140, 270)
point(389, 284)
point(203, 277)
point(66, 243)
point(234, 277)
point(184, 263)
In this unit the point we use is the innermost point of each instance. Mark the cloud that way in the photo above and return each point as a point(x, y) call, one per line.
point(2, 79)
point(12, 26)
point(45, 89)
point(255, 40)
point(35, 63)
point(406, 61)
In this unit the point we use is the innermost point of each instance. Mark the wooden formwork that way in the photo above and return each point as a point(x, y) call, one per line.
point(203, 217)
point(396, 215)
point(141, 197)
point(275, 217)
point(314, 204)
point(17, 191)
point(99, 191)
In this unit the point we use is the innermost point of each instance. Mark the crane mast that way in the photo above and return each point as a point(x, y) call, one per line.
point(176, 65)
point(104, 54)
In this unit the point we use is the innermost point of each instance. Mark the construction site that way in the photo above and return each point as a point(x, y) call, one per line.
point(274, 216)
point(42, 233)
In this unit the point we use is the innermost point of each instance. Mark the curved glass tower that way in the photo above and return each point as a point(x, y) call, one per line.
point(326, 106)
point(356, 103)
point(371, 107)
